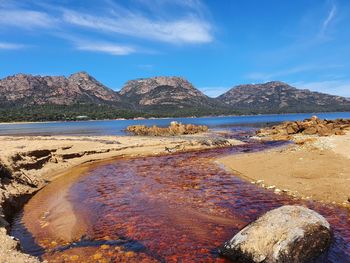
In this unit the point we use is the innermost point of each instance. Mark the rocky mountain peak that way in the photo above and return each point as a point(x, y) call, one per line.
point(20, 76)
point(161, 90)
point(273, 84)
point(25, 89)
point(146, 85)
point(277, 96)
point(78, 76)
point(267, 85)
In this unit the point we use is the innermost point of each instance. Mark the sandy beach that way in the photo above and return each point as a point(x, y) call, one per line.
point(314, 167)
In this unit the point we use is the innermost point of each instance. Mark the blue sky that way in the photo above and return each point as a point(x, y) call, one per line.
point(214, 44)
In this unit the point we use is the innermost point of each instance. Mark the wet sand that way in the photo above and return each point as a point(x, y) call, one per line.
point(316, 168)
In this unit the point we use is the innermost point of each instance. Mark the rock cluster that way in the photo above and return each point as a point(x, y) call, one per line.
point(175, 128)
point(287, 234)
point(312, 126)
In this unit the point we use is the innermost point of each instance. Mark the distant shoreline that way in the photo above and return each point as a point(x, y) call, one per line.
point(165, 118)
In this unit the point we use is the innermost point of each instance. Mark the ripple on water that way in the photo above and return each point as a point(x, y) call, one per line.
point(172, 208)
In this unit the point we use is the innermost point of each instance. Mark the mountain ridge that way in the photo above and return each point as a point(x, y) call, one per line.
point(171, 91)
point(80, 87)
point(279, 96)
point(160, 96)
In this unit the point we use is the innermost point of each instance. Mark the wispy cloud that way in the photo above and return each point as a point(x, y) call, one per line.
point(335, 87)
point(309, 33)
point(111, 21)
point(26, 19)
point(330, 17)
point(11, 46)
point(186, 30)
point(105, 47)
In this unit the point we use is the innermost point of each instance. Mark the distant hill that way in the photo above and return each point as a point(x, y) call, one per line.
point(167, 94)
point(26, 90)
point(50, 98)
point(279, 97)
point(38, 98)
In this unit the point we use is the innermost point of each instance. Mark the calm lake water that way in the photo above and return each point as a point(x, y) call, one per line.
point(117, 127)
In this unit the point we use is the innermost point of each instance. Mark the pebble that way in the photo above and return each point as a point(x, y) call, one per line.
point(105, 247)
point(97, 256)
point(74, 257)
point(130, 254)
point(54, 243)
point(118, 249)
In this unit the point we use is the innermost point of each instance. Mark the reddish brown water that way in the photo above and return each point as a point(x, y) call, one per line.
point(176, 208)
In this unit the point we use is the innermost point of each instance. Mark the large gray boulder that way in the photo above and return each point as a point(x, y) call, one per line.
point(288, 234)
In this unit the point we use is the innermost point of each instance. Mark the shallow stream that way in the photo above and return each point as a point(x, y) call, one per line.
point(172, 208)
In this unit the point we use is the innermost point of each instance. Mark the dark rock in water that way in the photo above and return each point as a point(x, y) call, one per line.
point(289, 234)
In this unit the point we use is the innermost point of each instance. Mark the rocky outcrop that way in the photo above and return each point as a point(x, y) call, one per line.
point(279, 97)
point(175, 128)
point(312, 126)
point(289, 234)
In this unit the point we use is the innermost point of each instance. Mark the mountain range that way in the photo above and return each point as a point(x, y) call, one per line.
point(27, 97)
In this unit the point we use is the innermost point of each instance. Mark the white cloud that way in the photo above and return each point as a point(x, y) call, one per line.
point(11, 46)
point(335, 87)
point(26, 19)
point(104, 47)
point(195, 4)
point(185, 30)
point(330, 17)
point(159, 23)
